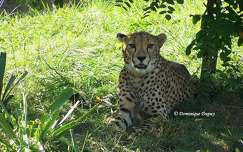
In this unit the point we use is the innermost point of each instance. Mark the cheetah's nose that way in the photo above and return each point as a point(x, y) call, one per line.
point(141, 58)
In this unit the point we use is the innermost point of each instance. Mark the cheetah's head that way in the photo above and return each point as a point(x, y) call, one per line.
point(141, 50)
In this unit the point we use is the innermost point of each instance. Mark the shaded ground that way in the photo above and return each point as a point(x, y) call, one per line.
point(12, 6)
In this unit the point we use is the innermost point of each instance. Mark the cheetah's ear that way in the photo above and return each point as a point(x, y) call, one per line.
point(161, 39)
point(121, 37)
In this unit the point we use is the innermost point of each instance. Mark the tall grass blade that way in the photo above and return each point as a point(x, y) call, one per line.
point(58, 73)
point(2, 69)
point(75, 147)
point(57, 132)
point(52, 119)
point(24, 120)
point(65, 140)
point(69, 112)
point(86, 136)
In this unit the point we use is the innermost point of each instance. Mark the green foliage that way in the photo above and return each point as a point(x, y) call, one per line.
point(165, 7)
point(218, 26)
point(19, 133)
point(6, 123)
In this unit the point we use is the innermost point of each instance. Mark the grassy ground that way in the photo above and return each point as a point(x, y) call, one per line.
point(80, 45)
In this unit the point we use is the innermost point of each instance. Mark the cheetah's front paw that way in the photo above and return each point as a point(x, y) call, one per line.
point(115, 124)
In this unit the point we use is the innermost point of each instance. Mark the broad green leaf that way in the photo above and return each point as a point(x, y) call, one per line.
point(52, 117)
point(60, 101)
point(163, 6)
point(2, 69)
point(196, 18)
point(10, 83)
point(162, 12)
point(18, 81)
point(47, 126)
point(170, 12)
point(170, 2)
point(180, 1)
point(171, 8)
point(168, 17)
point(146, 8)
point(145, 15)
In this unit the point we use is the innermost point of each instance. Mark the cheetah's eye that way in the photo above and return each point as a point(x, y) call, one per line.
point(132, 46)
point(150, 46)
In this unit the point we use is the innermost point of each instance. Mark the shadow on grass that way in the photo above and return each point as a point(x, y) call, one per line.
point(219, 133)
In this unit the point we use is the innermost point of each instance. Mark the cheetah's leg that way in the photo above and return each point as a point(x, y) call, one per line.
point(127, 113)
point(163, 111)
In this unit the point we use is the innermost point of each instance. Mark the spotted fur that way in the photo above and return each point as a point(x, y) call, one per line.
point(149, 85)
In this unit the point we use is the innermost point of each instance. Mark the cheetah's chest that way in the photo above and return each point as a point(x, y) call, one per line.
point(152, 90)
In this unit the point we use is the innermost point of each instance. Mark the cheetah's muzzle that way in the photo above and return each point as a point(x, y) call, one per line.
point(141, 66)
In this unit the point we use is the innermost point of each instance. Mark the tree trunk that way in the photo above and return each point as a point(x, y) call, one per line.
point(208, 67)
point(209, 62)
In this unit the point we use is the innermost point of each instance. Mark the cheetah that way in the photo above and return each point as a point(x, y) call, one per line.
point(149, 85)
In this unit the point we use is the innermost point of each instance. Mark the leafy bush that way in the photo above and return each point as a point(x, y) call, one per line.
point(19, 133)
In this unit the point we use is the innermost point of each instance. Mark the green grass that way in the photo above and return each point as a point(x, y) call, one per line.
point(77, 47)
